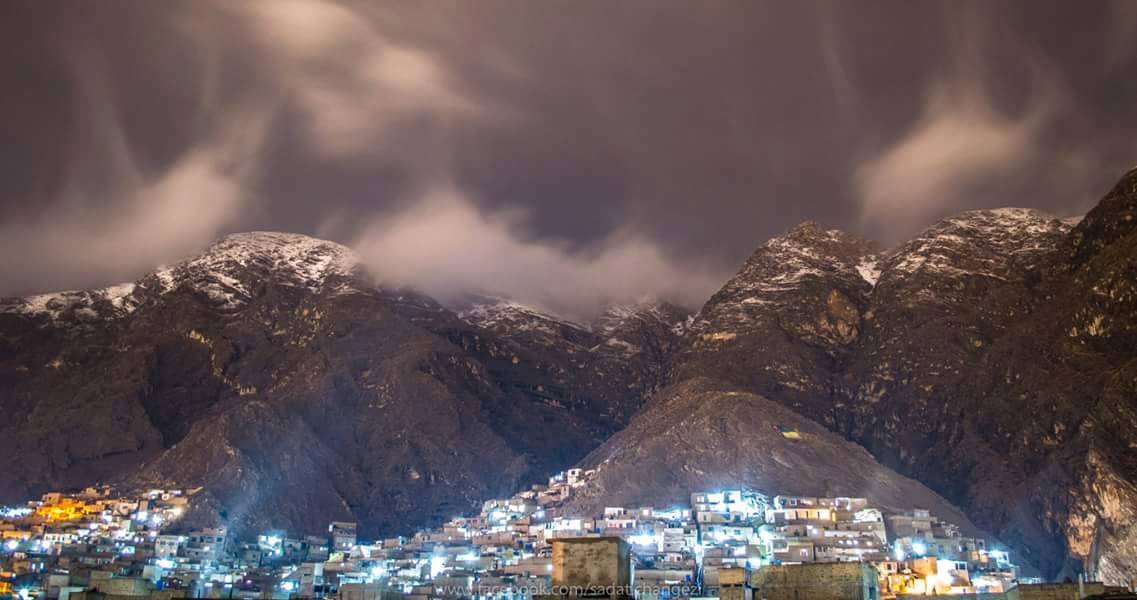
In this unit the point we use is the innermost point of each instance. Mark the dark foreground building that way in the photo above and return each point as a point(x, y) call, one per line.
point(816, 581)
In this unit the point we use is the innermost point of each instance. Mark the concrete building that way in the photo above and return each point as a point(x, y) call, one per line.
point(734, 584)
point(598, 564)
point(915, 523)
point(206, 544)
point(816, 581)
point(342, 534)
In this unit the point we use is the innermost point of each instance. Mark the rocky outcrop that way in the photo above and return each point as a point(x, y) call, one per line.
point(781, 325)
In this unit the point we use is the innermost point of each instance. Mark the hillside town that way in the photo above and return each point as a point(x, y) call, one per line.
point(99, 544)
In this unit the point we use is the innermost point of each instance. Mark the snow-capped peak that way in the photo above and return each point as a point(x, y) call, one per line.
point(309, 259)
point(223, 273)
point(980, 242)
point(496, 313)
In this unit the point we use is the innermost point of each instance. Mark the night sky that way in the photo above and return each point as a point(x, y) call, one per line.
point(565, 153)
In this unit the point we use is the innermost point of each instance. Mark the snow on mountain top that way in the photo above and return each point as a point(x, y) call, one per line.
point(309, 258)
point(294, 258)
point(657, 310)
point(773, 277)
point(1006, 220)
point(115, 300)
point(618, 329)
point(806, 252)
point(622, 322)
point(495, 313)
point(979, 242)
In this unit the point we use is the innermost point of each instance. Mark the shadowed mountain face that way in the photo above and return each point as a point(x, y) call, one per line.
point(705, 435)
point(992, 359)
point(270, 371)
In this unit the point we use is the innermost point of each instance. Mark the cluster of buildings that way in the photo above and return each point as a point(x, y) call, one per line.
point(725, 544)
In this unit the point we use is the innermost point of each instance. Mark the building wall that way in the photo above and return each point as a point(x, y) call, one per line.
point(597, 562)
point(736, 592)
point(366, 591)
point(817, 581)
point(1053, 591)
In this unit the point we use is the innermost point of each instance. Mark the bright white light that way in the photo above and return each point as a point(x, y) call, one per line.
point(919, 549)
point(641, 540)
point(165, 563)
point(287, 586)
point(437, 565)
point(11, 544)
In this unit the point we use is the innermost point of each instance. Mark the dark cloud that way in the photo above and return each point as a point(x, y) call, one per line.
point(570, 153)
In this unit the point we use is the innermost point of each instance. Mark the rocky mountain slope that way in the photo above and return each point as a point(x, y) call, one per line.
point(704, 435)
point(991, 358)
point(271, 370)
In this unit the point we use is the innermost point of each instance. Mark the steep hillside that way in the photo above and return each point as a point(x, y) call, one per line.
point(271, 371)
point(701, 435)
point(991, 358)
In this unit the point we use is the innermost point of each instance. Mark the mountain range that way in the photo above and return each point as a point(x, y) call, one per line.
point(986, 370)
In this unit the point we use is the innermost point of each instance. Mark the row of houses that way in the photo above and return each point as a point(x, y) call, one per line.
point(92, 541)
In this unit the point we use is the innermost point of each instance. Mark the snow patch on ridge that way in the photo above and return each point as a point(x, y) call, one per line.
point(516, 316)
point(114, 301)
point(806, 258)
point(978, 242)
point(869, 270)
point(307, 260)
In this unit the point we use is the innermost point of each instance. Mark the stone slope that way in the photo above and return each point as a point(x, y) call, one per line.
point(704, 435)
